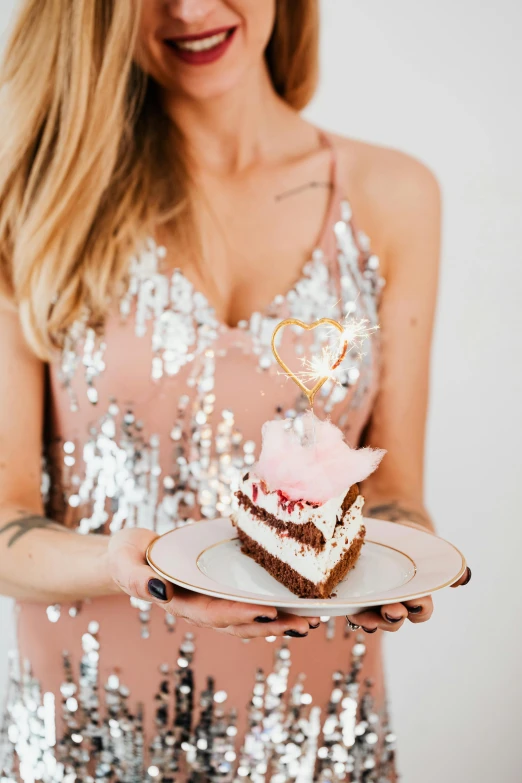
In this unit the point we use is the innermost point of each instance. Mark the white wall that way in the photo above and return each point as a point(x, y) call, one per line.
point(439, 80)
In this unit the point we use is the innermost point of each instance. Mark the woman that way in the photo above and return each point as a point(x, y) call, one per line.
point(163, 206)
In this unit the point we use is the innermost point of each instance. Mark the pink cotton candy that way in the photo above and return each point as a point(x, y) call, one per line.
point(316, 471)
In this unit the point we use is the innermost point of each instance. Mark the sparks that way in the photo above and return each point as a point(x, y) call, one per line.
point(349, 343)
point(356, 331)
point(319, 366)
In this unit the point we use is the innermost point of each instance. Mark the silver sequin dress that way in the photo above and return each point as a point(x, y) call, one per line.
point(150, 423)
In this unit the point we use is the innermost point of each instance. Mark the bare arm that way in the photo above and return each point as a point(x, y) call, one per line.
point(42, 561)
point(398, 421)
point(39, 560)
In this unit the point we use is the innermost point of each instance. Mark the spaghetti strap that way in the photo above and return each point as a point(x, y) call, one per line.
point(333, 209)
point(326, 141)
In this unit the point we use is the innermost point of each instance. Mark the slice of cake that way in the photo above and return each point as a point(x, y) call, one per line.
point(299, 511)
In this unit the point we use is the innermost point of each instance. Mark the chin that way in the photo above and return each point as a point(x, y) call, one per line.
point(207, 89)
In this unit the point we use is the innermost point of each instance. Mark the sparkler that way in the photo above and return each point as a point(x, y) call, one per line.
point(319, 369)
point(351, 341)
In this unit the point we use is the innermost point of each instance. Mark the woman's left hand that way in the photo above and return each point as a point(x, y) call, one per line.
point(392, 616)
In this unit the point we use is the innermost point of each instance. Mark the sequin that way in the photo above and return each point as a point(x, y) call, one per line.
point(183, 323)
point(120, 472)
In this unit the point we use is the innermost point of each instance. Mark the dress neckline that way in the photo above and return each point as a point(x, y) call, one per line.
point(319, 248)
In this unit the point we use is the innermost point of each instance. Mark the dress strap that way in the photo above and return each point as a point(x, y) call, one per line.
point(339, 210)
point(333, 209)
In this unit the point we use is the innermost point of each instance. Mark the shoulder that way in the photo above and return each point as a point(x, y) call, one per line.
point(385, 172)
point(394, 196)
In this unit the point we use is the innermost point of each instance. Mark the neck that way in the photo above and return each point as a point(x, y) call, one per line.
point(231, 132)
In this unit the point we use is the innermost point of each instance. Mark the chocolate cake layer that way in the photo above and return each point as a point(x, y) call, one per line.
point(307, 533)
point(288, 577)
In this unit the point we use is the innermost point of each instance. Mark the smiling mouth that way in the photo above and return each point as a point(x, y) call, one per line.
point(202, 44)
point(205, 44)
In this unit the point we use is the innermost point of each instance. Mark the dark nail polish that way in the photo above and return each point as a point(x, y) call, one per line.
point(392, 619)
point(295, 634)
point(414, 609)
point(263, 619)
point(314, 626)
point(467, 579)
point(157, 589)
point(368, 630)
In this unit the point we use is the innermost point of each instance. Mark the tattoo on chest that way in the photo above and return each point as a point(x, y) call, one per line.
point(19, 527)
point(395, 512)
point(301, 188)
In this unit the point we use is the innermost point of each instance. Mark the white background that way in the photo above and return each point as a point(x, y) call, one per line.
point(439, 80)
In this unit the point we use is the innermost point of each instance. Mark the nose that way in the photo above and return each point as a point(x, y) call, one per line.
point(189, 11)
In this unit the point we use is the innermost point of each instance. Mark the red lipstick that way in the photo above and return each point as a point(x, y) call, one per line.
point(195, 55)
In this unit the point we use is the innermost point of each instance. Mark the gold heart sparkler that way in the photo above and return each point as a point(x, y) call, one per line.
point(335, 361)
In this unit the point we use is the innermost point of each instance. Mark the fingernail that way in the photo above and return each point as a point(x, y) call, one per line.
point(295, 634)
point(314, 626)
point(414, 609)
point(157, 589)
point(392, 619)
point(467, 579)
point(263, 619)
point(368, 630)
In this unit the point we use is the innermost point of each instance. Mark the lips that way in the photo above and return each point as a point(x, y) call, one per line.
point(203, 48)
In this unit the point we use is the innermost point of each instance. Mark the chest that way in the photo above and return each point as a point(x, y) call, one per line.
point(255, 233)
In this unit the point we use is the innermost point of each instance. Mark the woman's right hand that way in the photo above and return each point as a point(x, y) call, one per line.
point(129, 570)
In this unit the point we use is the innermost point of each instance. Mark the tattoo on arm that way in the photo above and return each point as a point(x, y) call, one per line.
point(300, 188)
point(394, 512)
point(19, 527)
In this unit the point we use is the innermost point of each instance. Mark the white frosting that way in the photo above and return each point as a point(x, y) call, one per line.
point(307, 561)
point(323, 517)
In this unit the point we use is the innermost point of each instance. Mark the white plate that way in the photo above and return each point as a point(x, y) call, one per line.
point(397, 563)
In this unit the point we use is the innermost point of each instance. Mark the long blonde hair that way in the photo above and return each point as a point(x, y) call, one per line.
point(89, 163)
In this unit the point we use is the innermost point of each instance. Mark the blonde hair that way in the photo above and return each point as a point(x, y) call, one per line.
point(85, 150)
